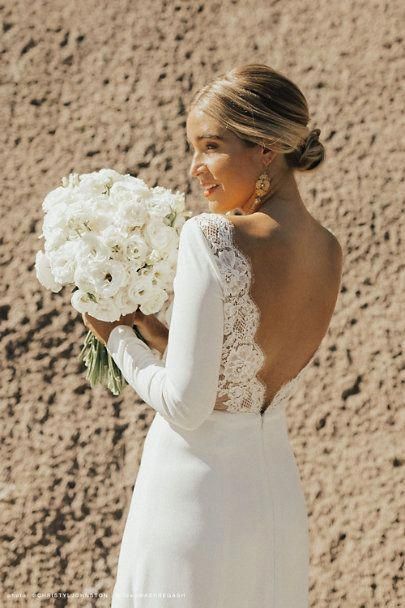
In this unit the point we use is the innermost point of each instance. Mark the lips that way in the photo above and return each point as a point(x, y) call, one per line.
point(209, 188)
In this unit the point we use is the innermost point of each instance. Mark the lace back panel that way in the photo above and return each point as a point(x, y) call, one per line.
point(239, 388)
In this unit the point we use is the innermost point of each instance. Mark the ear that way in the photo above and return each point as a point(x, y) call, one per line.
point(267, 155)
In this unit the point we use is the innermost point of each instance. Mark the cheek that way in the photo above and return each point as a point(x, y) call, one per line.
point(233, 173)
point(225, 168)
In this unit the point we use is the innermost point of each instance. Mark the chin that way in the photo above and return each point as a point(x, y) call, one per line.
point(216, 207)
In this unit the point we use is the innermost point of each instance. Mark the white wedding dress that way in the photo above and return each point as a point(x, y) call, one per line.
point(218, 517)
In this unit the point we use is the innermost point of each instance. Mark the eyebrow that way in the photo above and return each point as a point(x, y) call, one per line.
point(207, 136)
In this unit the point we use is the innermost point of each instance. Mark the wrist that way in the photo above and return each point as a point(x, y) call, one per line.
point(106, 335)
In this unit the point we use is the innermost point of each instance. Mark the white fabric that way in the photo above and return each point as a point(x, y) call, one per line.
point(218, 514)
point(184, 389)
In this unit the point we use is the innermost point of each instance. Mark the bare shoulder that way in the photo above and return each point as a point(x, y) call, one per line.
point(334, 247)
point(255, 228)
point(307, 241)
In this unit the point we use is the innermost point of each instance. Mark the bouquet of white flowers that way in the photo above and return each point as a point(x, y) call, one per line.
point(115, 240)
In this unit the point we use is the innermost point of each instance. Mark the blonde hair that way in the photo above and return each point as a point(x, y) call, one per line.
point(261, 106)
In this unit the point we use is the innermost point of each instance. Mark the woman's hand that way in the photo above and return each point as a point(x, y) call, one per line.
point(102, 329)
point(154, 331)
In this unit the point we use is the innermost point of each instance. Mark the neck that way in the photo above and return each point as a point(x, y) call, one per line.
point(282, 199)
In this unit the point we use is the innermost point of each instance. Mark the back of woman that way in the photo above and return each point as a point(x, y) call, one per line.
point(296, 267)
point(218, 515)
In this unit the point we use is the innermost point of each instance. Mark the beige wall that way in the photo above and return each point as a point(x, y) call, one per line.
point(105, 86)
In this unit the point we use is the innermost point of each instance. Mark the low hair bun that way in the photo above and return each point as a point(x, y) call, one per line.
point(309, 155)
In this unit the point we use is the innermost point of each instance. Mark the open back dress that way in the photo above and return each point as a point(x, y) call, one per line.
point(218, 517)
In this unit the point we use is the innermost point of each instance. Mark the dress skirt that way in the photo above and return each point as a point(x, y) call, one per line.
point(217, 518)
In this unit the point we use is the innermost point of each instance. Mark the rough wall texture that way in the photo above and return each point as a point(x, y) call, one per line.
point(86, 85)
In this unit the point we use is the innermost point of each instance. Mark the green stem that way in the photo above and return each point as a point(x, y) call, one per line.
point(101, 367)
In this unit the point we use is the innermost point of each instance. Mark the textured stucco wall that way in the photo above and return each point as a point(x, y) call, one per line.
point(86, 85)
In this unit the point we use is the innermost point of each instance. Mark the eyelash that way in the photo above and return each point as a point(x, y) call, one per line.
point(207, 145)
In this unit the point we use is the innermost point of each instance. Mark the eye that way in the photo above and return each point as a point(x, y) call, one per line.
point(212, 146)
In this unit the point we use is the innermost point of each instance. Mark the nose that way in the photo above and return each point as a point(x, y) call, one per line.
point(195, 167)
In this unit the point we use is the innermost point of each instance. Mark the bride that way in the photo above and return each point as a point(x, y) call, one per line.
point(218, 517)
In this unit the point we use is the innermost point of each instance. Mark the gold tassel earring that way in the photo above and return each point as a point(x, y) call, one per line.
point(262, 188)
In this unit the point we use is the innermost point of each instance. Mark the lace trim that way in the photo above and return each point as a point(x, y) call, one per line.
point(242, 357)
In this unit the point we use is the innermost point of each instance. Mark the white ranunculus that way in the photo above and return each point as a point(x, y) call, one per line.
point(180, 221)
point(179, 202)
point(108, 277)
point(54, 239)
point(134, 185)
point(91, 247)
point(160, 236)
point(153, 301)
point(137, 285)
point(104, 311)
point(59, 196)
point(114, 238)
point(82, 278)
point(103, 278)
point(153, 257)
point(80, 300)
point(63, 263)
point(168, 313)
point(159, 207)
point(98, 183)
point(122, 301)
point(136, 249)
point(44, 273)
point(81, 217)
point(163, 273)
point(131, 213)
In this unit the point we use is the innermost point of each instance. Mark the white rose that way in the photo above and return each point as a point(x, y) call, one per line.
point(44, 273)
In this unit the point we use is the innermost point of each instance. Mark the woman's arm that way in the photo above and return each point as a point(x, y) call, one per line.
point(184, 388)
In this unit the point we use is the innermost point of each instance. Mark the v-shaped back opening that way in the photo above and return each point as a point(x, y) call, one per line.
point(240, 386)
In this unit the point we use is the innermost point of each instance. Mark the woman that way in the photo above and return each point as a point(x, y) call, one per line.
point(218, 516)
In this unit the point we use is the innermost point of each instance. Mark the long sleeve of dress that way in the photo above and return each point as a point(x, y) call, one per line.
point(182, 386)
